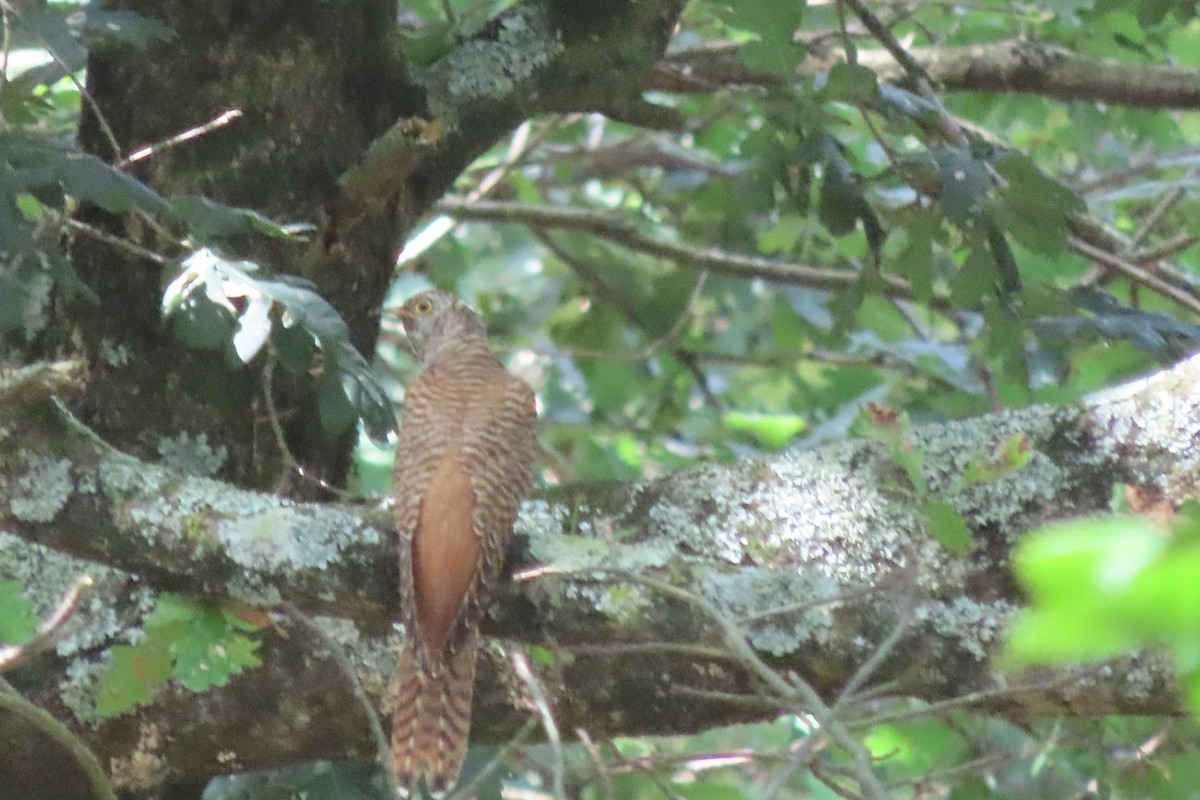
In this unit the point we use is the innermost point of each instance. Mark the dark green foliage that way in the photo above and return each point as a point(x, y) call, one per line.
point(213, 297)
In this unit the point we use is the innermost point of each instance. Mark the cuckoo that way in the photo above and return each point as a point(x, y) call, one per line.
point(463, 465)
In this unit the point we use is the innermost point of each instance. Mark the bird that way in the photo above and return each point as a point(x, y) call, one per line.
point(464, 463)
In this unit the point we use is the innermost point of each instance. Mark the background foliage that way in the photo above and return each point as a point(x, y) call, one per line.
point(815, 243)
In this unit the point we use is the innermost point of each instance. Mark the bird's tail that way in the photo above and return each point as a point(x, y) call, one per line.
point(432, 719)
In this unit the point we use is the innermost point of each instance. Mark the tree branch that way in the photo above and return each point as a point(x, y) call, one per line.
point(814, 555)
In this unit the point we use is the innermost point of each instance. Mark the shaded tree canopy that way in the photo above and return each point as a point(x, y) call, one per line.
point(828, 306)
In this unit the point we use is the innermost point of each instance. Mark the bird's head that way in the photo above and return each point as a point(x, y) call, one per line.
point(433, 319)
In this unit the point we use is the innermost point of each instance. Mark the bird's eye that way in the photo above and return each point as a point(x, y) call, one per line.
point(423, 306)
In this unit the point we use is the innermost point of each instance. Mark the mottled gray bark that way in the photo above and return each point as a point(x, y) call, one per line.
point(804, 552)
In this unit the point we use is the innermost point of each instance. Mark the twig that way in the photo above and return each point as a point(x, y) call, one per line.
point(654, 777)
point(468, 789)
point(116, 241)
point(868, 667)
point(1168, 201)
point(7, 21)
point(519, 147)
point(633, 648)
point(757, 701)
point(808, 605)
point(74, 78)
point(1171, 247)
point(285, 453)
point(796, 691)
point(222, 119)
point(538, 695)
point(803, 754)
point(621, 232)
point(383, 753)
point(10, 655)
point(601, 768)
point(12, 702)
point(913, 68)
point(1135, 273)
point(968, 700)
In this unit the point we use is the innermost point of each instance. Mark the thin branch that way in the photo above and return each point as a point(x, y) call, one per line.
point(619, 231)
point(654, 648)
point(795, 690)
point(12, 702)
point(142, 153)
point(285, 453)
point(116, 241)
point(383, 753)
point(468, 790)
point(915, 71)
point(1171, 247)
point(1135, 273)
point(538, 695)
point(11, 655)
point(598, 763)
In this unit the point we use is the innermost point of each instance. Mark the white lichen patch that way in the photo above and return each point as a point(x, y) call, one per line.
point(122, 475)
point(1152, 416)
point(265, 541)
point(145, 767)
point(998, 501)
point(541, 523)
point(191, 456)
point(820, 515)
point(494, 67)
point(253, 590)
point(781, 610)
point(973, 626)
point(706, 513)
point(80, 683)
point(570, 552)
point(42, 491)
point(283, 539)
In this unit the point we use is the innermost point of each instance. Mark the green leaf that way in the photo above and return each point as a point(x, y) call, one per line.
point(773, 431)
point(974, 280)
point(779, 58)
point(948, 527)
point(88, 178)
point(1085, 584)
point(842, 203)
point(348, 390)
point(334, 406)
point(851, 83)
point(135, 676)
point(915, 261)
point(202, 324)
point(542, 655)
point(18, 618)
point(1033, 207)
point(610, 385)
point(208, 654)
point(781, 237)
point(965, 185)
point(126, 27)
point(13, 301)
point(294, 346)
point(209, 221)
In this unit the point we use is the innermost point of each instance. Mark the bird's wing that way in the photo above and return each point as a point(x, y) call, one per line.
point(499, 442)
